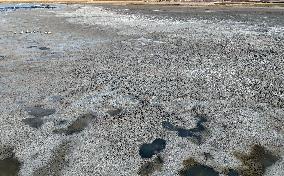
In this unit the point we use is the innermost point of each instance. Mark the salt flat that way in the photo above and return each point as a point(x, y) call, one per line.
point(141, 90)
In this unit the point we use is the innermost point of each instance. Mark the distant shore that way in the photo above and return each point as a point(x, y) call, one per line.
point(131, 2)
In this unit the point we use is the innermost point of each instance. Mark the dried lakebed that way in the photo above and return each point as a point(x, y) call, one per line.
point(141, 90)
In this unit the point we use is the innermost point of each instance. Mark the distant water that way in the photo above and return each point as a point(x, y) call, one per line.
point(11, 7)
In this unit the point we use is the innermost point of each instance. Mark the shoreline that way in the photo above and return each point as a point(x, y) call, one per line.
point(181, 4)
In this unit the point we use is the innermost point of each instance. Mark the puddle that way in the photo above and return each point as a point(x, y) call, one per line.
point(256, 162)
point(200, 170)
point(151, 166)
point(193, 168)
point(233, 172)
point(9, 166)
point(78, 125)
point(56, 163)
point(114, 112)
point(182, 132)
point(11, 7)
point(194, 133)
point(44, 48)
point(39, 111)
point(148, 150)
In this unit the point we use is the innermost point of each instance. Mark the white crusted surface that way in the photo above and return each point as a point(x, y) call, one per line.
point(233, 70)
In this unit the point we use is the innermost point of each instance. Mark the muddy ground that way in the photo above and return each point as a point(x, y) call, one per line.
point(141, 90)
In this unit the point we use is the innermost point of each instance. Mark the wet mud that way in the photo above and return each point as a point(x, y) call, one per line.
point(39, 111)
point(44, 48)
point(9, 165)
point(114, 112)
point(35, 122)
point(151, 166)
point(77, 126)
point(193, 168)
point(256, 162)
point(56, 163)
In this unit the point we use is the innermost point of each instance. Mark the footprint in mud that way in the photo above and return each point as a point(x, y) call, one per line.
point(256, 162)
point(193, 168)
point(114, 112)
point(195, 133)
point(55, 98)
point(38, 113)
point(33, 122)
point(151, 166)
point(9, 165)
point(44, 48)
point(167, 125)
point(33, 46)
point(78, 125)
point(148, 150)
point(56, 163)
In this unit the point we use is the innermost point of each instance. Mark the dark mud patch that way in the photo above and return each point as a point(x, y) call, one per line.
point(61, 122)
point(168, 126)
point(193, 168)
point(78, 125)
point(9, 165)
point(24, 6)
point(39, 111)
point(56, 163)
point(207, 156)
point(151, 166)
point(33, 46)
point(114, 112)
point(148, 150)
point(194, 133)
point(256, 162)
point(33, 122)
point(44, 48)
point(56, 98)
